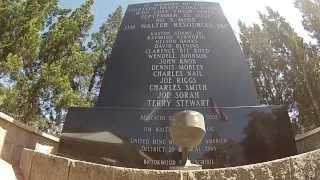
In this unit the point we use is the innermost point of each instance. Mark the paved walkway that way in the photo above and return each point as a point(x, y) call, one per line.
point(7, 172)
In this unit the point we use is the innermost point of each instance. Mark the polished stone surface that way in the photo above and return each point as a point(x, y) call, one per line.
point(105, 136)
point(169, 57)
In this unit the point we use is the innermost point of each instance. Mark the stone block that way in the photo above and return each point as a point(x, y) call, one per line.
point(145, 174)
point(306, 166)
point(221, 174)
point(7, 151)
point(37, 166)
point(278, 169)
point(43, 148)
point(25, 163)
point(16, 154)
point(88, 171)
point(49, 167)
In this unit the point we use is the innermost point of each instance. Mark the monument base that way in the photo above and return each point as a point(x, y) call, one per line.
point(187, 166)
point(248, 136)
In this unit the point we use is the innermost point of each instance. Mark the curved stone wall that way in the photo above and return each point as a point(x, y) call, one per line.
point(14, 136)
point(308, 141)
point(38, 166)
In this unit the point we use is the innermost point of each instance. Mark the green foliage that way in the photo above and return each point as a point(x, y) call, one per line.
point(284, 67)
point(101, 45)
point(45, 64)
point(311, 16)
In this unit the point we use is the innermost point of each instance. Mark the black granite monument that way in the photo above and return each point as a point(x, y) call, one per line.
point(169, 57)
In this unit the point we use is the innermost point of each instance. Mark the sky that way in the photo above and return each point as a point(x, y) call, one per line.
point(234, 10)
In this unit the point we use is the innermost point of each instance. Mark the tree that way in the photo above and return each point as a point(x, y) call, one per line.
point(310, 16)
point(101, 45)
point(46, 64)
point(43, 59)
point(268, 57)
point(310, 19)
point(282, 65)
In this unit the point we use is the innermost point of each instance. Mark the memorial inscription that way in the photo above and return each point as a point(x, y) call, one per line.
point(169, 57)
